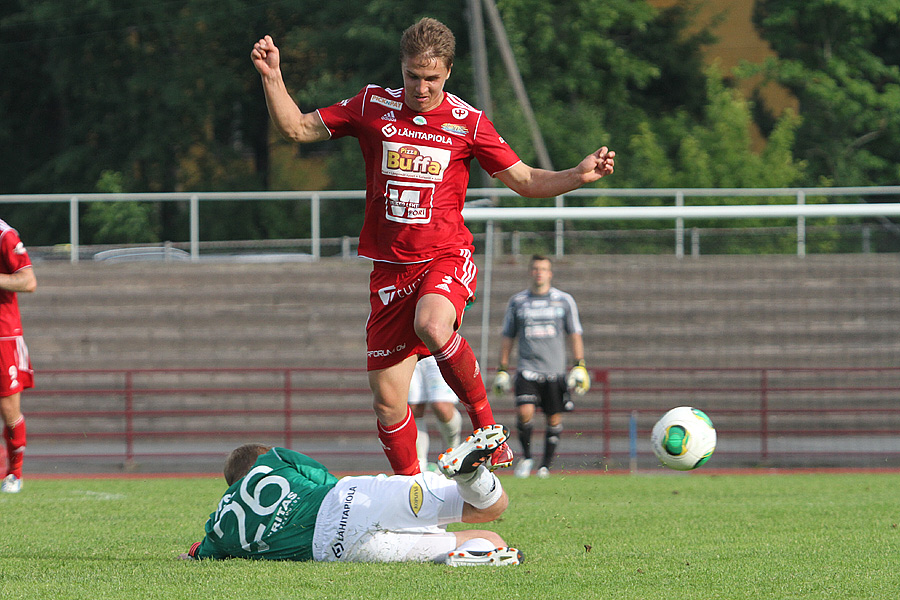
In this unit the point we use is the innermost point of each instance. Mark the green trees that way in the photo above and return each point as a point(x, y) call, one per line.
point(117, 95)
point(841, 60)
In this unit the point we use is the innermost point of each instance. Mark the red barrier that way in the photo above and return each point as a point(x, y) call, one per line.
point(764, 416)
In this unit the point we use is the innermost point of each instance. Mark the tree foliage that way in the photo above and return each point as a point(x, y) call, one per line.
point(841, 59)
point(120, 95)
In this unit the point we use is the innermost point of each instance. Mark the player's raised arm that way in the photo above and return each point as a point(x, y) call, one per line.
point(540, 183)
point(290, 121)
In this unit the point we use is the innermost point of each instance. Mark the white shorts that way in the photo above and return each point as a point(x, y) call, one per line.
point(428, 385)
point(387, 519)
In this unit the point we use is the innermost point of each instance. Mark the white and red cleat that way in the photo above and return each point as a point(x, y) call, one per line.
point(485, 444)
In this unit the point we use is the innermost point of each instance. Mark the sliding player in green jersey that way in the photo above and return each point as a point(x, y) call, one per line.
point(283, 505)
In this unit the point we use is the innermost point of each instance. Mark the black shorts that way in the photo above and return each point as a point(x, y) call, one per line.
point(549, 393)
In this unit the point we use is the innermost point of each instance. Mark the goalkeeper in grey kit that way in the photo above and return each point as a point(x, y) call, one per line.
point(542, 318)
point(283, 505)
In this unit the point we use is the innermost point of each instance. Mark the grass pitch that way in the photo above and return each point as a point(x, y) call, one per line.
point(650, 536)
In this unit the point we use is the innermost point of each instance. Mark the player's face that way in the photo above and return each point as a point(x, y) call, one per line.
point(423, 82)
point(541, 274)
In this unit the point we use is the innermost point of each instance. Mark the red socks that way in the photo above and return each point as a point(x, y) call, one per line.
point(461, 372)
point(399, 444)
point(15, 446)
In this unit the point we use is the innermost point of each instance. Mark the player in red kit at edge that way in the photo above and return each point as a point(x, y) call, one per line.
point(417, 143)
point(16, 275)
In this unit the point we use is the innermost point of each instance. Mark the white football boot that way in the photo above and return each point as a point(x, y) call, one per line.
point(11, 484)
point(494, 558)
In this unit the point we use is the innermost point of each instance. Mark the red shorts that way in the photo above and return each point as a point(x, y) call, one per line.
point(394, 291)
point(16, 373)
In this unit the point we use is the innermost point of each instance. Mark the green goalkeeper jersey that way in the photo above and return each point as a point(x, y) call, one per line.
point(271, 512)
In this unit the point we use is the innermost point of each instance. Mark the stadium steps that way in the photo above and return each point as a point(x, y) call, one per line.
point(206, 315)
point(730, 310)
point(712, 311)
point(637, 311)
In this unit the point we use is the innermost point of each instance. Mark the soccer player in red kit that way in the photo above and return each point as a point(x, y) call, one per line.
point(16, 374)
point(417, 143)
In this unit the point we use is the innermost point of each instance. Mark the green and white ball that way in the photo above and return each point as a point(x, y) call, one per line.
point(684, 438)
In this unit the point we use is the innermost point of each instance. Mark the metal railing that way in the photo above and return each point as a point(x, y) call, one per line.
point(800, 209)
point(160, 419)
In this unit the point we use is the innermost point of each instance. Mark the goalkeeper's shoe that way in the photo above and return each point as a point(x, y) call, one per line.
point(496, 557)
point(475, 450)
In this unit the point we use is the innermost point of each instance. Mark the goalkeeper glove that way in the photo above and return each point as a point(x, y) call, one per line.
point(502, 382)
point(578, 379)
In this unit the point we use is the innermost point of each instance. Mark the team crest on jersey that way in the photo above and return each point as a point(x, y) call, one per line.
point(460, 113)
point(416, 498)
point(395, 104)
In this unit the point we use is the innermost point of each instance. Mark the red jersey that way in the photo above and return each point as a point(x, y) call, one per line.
point(13, 258)
point(417, 170)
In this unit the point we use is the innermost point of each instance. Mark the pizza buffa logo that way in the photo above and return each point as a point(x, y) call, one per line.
point(409, 159)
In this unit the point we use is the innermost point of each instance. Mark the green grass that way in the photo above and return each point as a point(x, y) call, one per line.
point(661, 536)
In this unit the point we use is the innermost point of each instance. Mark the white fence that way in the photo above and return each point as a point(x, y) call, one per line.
point(677, 211)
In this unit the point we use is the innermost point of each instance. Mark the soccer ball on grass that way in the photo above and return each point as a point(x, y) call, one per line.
point(683, 439)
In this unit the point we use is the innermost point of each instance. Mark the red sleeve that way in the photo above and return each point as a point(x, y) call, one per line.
point(193, 551)
point(493, 153)
point(341, 118)
point(15, 257)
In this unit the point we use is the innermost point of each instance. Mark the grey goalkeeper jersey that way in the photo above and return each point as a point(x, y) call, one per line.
point(541, 323)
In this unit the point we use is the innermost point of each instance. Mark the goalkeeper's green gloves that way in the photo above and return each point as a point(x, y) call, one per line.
point(502, 382)
point(578, 380)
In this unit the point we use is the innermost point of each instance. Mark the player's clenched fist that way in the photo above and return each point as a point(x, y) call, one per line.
point(265, 56)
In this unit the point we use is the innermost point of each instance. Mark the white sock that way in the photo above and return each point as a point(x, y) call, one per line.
point(482, 489)
point(451, 432)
